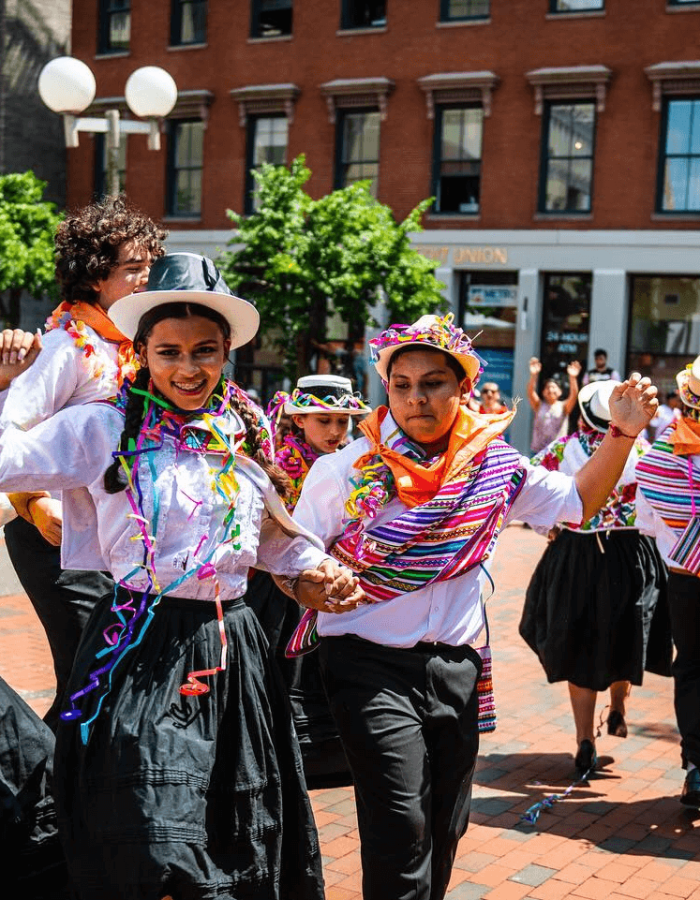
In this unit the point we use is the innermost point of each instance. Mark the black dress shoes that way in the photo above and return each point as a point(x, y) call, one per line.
point(586, 759)
point(690, 795)
point(616, 724)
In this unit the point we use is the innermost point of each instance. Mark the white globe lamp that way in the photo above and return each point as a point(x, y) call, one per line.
point(67, 85)
point(150, 92)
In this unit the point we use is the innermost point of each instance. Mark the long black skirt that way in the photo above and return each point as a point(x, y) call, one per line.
point(595, 609)
point(325, 763)
point(188, 796)
point(34, 868)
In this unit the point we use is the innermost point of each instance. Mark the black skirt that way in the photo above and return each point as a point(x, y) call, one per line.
point(325, 763)
point(33, 868)
point(595, 609)
point(191, 796)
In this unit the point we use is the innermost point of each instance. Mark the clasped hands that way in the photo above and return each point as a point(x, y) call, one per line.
point(329, 588)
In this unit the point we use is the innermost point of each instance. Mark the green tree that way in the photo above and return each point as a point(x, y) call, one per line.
point(300, 258)
point(27, 227)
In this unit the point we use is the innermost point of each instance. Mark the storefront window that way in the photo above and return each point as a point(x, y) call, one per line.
point(664, 329)
point(565, 323)
point(488, 304)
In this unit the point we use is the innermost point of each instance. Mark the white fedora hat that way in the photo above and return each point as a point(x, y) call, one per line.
point(594, 403)
point(187, 278)
point(325, 394)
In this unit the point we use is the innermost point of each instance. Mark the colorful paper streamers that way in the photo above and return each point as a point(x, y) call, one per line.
point(532, 814)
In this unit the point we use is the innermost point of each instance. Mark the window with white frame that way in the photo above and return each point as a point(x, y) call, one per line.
point(266, 143)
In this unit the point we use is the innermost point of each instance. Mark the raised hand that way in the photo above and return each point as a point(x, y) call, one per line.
point(18, 350)
point(573, 370)
point(535, 366)
point(633, 404)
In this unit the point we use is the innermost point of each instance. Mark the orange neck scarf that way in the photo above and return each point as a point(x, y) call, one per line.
point(97, 319)
point(686, 437)
point(416, 484)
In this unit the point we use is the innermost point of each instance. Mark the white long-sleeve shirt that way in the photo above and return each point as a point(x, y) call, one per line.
point(449, 611)
point(70, 452)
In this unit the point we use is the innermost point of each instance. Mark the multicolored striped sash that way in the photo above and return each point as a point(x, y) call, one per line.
point(438, 540)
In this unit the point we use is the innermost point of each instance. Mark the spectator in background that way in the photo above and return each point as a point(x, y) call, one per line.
point(551, 412)
point(667, 413)
point(491, 399)
point(601, 371)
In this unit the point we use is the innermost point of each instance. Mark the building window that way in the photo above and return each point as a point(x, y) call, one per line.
point(185, 153)
point(664, 326)
point(363, 14)
point(457, 159)
point(459, 10)
point(358, 148)
point(188, 22)
point(679, 165)
point(267, 143)
point(101, 180)
point(114, 26)
point(567, 158)
point(683, 2)
point(565, 6)
point(271, 18)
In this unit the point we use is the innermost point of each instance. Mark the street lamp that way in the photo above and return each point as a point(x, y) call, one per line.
point(67, 86)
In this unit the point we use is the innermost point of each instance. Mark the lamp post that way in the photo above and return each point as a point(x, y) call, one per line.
point(67, 86)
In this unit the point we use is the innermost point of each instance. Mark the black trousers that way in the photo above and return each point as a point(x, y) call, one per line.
point(408, 722)
point(684, 607)
point(62, 598)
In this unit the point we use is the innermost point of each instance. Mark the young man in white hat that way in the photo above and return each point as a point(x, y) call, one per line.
point(414, 506)
point(669, 509)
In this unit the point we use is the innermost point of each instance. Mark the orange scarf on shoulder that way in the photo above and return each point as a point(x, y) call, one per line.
point(415, 483)
point(685, 438)
point(97, 319)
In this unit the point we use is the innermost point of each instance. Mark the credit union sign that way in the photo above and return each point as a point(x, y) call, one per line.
point(463, 256)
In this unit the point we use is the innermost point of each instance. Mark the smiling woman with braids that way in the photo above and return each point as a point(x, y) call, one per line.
point(177, 768)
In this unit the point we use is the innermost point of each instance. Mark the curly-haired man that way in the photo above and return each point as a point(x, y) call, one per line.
point(103, 252)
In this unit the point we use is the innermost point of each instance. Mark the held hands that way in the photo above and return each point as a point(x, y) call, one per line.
point(18, 350)
point(633, 404)
point(329, 588)
point(47, 516)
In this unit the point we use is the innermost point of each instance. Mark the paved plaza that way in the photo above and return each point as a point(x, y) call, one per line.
point(623, 835)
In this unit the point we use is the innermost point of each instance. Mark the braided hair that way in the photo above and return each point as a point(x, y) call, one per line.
point(135, 409)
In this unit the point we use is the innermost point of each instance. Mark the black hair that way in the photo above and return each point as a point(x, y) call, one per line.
point(452, 363)
point(600, 352)
point(135, 406)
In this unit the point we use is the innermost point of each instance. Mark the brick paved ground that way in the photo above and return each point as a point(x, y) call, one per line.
point(622, 836)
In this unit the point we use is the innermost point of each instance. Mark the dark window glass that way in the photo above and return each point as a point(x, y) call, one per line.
point(455, 10)
point(679, 163)
point(458, 159)
point(188, 22)
point(567, 158)
point(101, 180)
point(663, 327)
point(358, 156)
point(566, 307)
point(683, 2)
point(363, 14)
point(185, 153)
point(267, 143)
point(271, 18)
point(114, 26)
point(564, 6)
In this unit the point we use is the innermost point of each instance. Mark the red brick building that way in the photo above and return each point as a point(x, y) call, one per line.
point(561, 139)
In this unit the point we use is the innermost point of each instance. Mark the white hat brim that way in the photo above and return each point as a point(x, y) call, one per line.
point(467, 361)
point(241, 315)
point(291, 410)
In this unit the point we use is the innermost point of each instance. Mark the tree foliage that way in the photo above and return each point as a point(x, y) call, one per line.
point(27, 227)
point(300, 258)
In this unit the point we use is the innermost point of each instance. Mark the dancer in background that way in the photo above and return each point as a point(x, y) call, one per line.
point(669, 509)
point(319, 409)
point(177, 768)
point(595, 609)
point(103, 252)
